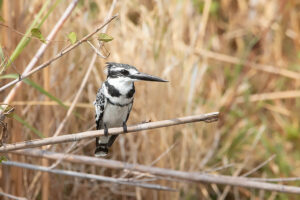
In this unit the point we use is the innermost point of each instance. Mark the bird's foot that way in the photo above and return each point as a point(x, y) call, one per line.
point(124, 127)
point(105, 130)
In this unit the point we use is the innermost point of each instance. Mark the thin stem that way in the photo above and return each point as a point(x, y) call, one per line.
point(209, 117)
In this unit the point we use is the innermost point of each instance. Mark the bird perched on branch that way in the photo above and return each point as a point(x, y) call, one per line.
point(114, 101)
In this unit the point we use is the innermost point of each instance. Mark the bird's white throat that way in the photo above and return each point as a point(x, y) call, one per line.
point(122, 84)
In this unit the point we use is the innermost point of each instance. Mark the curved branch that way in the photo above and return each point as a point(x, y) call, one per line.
point(209, 117)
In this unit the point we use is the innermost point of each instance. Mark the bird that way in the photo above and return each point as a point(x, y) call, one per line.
point(114, 101)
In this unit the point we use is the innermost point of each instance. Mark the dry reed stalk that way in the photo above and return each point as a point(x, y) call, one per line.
point(45, 192)
point(270, 96)
point(260, 67)
point(46, 127)
point(245, 161)
point(177, 175)
point(32, 63)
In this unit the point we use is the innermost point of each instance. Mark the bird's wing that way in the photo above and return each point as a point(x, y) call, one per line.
point(129, 110)
point(99, 104)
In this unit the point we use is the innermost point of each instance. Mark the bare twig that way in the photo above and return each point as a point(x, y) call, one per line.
point(140, 175)
point(178, 175)
point(209, 117)
point(65, 153)
point(62, 53)
point(96, 50)
point(163, 154)
point(88, 176)
point(259, 166)
point(43, 47)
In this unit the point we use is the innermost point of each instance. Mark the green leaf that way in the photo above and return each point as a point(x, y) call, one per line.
point(1, 19)
point(9, 111)
point(72, 37)
point(1, 4)
point(104, 37)
point(36, 32)
point(6, 76)
point(2, 57)
point(27, 125)
point(214, 8)
point(2, 158)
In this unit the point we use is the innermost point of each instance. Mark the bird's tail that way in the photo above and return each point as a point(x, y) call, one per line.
point(101, 149)
point(102, 145)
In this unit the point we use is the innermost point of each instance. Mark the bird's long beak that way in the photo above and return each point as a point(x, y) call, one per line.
point(147, 77)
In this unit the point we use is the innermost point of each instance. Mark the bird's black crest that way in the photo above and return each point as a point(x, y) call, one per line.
point(111, 65)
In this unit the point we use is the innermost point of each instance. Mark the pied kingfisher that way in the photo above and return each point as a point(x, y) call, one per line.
point(114, 101)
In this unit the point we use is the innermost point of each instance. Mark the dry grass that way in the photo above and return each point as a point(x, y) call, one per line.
point(256, 88)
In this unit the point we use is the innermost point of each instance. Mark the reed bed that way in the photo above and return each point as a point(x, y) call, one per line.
point(240, 58)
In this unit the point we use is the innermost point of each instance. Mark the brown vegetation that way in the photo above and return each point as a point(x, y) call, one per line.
point(237, 57)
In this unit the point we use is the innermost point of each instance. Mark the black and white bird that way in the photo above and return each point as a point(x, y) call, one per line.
point(114, 101)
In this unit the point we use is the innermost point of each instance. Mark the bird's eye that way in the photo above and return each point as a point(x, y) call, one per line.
point(124, 72)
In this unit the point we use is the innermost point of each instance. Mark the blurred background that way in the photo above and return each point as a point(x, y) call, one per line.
point(238, 57)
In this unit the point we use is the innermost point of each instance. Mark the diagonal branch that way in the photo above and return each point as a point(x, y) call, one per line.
point(63, 52)
point(209, 117)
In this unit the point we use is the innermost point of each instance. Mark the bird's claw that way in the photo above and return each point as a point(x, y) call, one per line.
point(124, 127)
point(105, 130)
